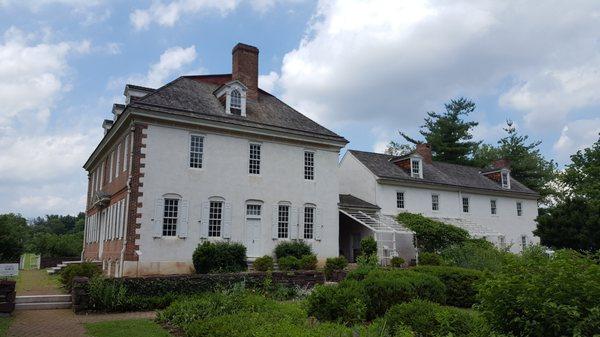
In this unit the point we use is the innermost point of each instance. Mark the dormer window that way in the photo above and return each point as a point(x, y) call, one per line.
point(236, 102)
point(233, 96)
point(505, 179)
point(415, 168)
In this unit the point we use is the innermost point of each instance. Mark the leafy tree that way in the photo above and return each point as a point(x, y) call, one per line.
point(59, 224)
point(527, 164)
point(572, 223)
point(50, 244)
point(396, 149)
point(582, 175)
point(432, 235)
point(448, 134)
point(13, 233)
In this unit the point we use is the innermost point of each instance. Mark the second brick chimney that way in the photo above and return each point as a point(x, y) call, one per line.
point(245, 68)
point(424, 150)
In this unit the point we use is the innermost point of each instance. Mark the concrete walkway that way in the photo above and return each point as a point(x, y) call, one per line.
point(61, 322)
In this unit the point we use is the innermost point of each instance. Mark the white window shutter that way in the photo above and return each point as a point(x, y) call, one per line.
point(183, 219)
point(159, 209)
point(301, 222)
point(227, 221)
point(275, 224)
point(318, 225)
point(293, 224)
point(204, 222)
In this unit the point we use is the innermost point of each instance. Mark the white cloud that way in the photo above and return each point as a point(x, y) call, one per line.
point(171, 62)
point(393, 60)
point(168, 14)
point(267, 82)
point(576, 136)
point(32, 76)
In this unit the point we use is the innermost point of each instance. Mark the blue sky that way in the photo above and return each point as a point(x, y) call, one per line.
point(362, 68)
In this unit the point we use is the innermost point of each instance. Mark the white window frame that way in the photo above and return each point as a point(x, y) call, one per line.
point(170, 229)
point(309, 165)
point(117, 168)
point(126, 149)
point(309, 224)
point(254, 214)
point(418, 166)
point(468, 204)
point(435, 202)
point(283, 220)
point(236, 101)
point(505, 179)
point(523, 242)
point(494, 207)
point(398, 193)
point(200, 152)
point(501, 241)
point(213, 221)
point(519, 206)
point(254, 161)
point(110, 167)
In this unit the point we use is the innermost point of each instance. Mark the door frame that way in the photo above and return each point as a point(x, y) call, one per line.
point(256, 220)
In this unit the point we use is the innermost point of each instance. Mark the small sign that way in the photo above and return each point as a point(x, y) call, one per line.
point(9, 269)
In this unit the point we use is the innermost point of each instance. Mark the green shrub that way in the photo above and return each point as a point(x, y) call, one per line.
point(541, 296)
point(263, 263)
point(397, 262)
point(78, 269)
point(308, 262)
point(430, 259)
point(212, 257)
point(383, 289)
point(368, 246)
point(342, 303)
point(589, 326)
point(460, 283)
point(429, 319)
point(475, 254)
point(432, 235)
point(288, 263)
point(110, 295)
point(335, 264)
point(296, 249)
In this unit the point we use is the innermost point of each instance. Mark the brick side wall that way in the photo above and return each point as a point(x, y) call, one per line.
point(136, 193)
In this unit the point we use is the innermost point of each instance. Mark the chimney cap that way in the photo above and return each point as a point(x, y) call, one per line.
point(245, 47)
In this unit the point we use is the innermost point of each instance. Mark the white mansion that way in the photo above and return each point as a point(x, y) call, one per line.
point(214, 157)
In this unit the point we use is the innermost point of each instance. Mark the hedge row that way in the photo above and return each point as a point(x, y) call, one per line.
point(460, 283)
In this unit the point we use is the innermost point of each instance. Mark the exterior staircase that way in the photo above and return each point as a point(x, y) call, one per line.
point(58, 268)
point(41, 302)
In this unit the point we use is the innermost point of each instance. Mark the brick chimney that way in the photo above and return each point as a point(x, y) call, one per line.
point(424, 150)
point(501, 163)
point(245, 68)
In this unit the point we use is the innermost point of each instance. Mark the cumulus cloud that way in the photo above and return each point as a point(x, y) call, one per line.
point(32, 76)
point(390, 60)
point(576, 136)
point(267, 82)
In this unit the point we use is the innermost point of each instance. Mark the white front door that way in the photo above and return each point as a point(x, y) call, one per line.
point(253, 237)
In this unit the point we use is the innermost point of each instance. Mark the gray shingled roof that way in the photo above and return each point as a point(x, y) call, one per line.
point(189, 95)
point(350, 201)
point(436, 173)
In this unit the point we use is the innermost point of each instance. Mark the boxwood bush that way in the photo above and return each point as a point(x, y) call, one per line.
point(427, 319)
point(460, 283)
point(537, 295)
point(308, 262)
point(210, 257)
point(296, 249)
point(263, 263)
point(368, 246)
point(335, 264)
point(342, 303)
point(287, 263)
point(68, 273)
point(430, 259)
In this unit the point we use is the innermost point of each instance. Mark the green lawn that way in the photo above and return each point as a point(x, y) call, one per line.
point(4, 324)
point(129, 328)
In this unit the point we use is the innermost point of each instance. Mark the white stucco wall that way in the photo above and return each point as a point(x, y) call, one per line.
point(225, 174)
point(418, 200)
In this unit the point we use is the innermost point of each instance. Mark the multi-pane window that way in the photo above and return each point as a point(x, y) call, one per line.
point(415, 168)
point(465, 204)
point(236, 102)
point(493, 208)
point(215, 217)
point(253, 210)
point(519, 208)
point(170, 214)
point(309, 165)
point(283, 221)
point(435, 202)
point(196, 151)
point(523, 242)
point(254, 163)
point(400, 199)
point(309, 222)
point(505, 179)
